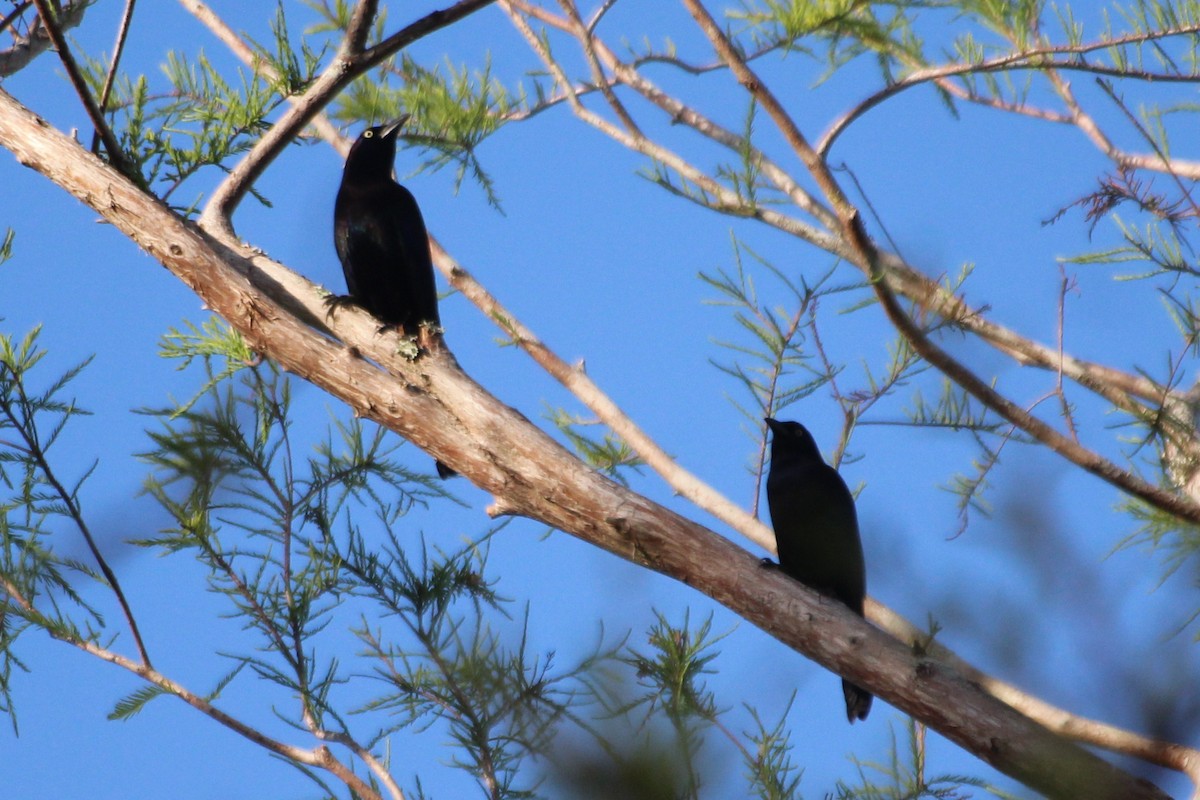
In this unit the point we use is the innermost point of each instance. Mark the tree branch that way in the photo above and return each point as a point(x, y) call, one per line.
point(111, 145)
point(347, 66)
point(1038, 58)
point(17, 57)
point(317, 757)
point(118, 48)
point(434, 404)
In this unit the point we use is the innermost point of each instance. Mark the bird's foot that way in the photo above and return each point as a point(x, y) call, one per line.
point(766, 563)
point(336, 302)
point(430, 336)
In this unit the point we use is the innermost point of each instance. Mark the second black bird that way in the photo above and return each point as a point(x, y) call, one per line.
point(816, 529)
point(380, 236)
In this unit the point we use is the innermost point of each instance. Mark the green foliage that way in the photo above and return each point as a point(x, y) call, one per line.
point(904, 776)
point(847, 29)
point(278, 527)
point(38, 584)
point(772, 365)
point(199, 118)
point(610, 454)
point(453, 110)
point(1177, 544)
point(768, 761)
point(670, 674)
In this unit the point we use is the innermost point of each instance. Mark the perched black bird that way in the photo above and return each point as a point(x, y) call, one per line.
point(380, 236)
point(381, 240)
point(816, 529)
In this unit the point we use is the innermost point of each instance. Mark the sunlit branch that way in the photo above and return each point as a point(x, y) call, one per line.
point(1072, 726)
point(627, 74)
point(584, 34)
point(575, 380)
point(444, 411)
point(360, 25)
point(367, 757)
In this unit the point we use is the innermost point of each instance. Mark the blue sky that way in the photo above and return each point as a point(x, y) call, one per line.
point(602, 265)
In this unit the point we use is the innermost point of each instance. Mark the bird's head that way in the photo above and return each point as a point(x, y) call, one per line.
point(374, 151)
point(792, 439)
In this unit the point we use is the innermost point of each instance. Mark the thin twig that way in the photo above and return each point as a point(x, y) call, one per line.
point(1037, 58)
point(317, 757)
point(14, 14)
point(115, 155)
point(575, 380)
point(34, 451)
point(1065, 285)
point(1168, 163)
point(118, 48)
point(584, 34)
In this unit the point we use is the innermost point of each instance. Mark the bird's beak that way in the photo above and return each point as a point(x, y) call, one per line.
point(771, 423)
point(390, 128)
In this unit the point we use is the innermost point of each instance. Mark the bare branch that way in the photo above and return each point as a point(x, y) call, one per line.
point(111, 145)
point(576, 380)
point(1040, 58)
point(317, 757)
point(118, 48)
point(584, 34)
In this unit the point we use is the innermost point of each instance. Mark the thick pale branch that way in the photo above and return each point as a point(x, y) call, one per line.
point(434, 404)
point(576, 380)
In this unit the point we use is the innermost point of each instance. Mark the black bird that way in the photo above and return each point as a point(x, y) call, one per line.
point(816, 529)
point(380, 236)
point(381, 240)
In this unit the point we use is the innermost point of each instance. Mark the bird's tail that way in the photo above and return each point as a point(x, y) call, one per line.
point(858, 701)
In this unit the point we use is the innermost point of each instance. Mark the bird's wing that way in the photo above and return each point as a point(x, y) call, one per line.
point(413, 240)
point(816, 528)
point(380, 238)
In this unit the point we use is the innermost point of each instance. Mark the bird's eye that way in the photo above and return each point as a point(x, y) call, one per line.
point(368, 134)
